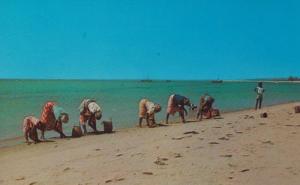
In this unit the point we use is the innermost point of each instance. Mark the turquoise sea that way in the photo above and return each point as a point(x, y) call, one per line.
point(119, 99)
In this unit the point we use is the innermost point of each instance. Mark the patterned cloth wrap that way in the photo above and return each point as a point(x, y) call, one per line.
point(87, 108)
point(146, 107)
point(51, 114)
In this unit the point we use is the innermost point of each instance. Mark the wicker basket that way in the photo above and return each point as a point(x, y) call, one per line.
point(297, 109)
point(107, 126)
point(76, 131)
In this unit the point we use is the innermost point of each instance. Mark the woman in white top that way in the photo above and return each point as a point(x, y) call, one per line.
point(90, 112)
point(147, 109)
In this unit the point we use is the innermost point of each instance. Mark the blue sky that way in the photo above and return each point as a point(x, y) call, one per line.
point(159, 39)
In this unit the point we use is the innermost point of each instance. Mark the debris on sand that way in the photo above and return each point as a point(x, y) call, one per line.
point(114, 180)
point(108, 181)
point(180, 138)
point(67, 169)
point(159, 161)
point(245, 170)
point(20, 178)
point(147, 173)
point(223, 138)
point(238, 132)
point(191, 132)
point(268, 142)
point(227, 155)
point(177, 155)
point(229, 135)
point(264, 115)
point(214, 143)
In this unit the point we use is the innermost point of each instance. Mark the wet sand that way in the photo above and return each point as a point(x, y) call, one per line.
point(239, 148)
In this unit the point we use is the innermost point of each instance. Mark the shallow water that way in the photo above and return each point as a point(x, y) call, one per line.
point(119, 99)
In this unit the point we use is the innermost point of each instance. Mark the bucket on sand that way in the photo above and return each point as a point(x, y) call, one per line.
point(76, 131)
point(297, 109)
point(264, 115)
point(107, 126)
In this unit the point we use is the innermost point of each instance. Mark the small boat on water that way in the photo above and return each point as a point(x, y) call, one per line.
point(146, 81)
point(217, 81)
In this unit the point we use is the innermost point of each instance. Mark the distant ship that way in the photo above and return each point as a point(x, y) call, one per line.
point(217, 81)
point(146, 81)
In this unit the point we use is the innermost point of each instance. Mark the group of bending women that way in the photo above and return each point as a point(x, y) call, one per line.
point(53, 116)
point(176, 103)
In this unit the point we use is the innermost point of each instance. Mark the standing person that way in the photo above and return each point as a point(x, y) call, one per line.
point(176, 103)
point(52, 118)
point(259, 98)
point(205, 107)
point(147, 109)
point(90, 112)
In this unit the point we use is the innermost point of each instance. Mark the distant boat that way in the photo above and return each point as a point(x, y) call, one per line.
point(146, 81)
point(217, 81)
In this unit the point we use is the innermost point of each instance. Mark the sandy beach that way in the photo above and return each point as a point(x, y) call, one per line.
point(239, 148)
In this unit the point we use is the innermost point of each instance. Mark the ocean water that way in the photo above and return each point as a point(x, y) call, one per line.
point(119, 99)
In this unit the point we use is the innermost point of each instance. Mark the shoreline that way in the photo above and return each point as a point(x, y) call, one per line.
point(239, 148)
point(19, 140)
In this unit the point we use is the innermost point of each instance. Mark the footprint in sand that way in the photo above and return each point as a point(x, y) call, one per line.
point(119, 155)
point(214, 143)
point(32, 183)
